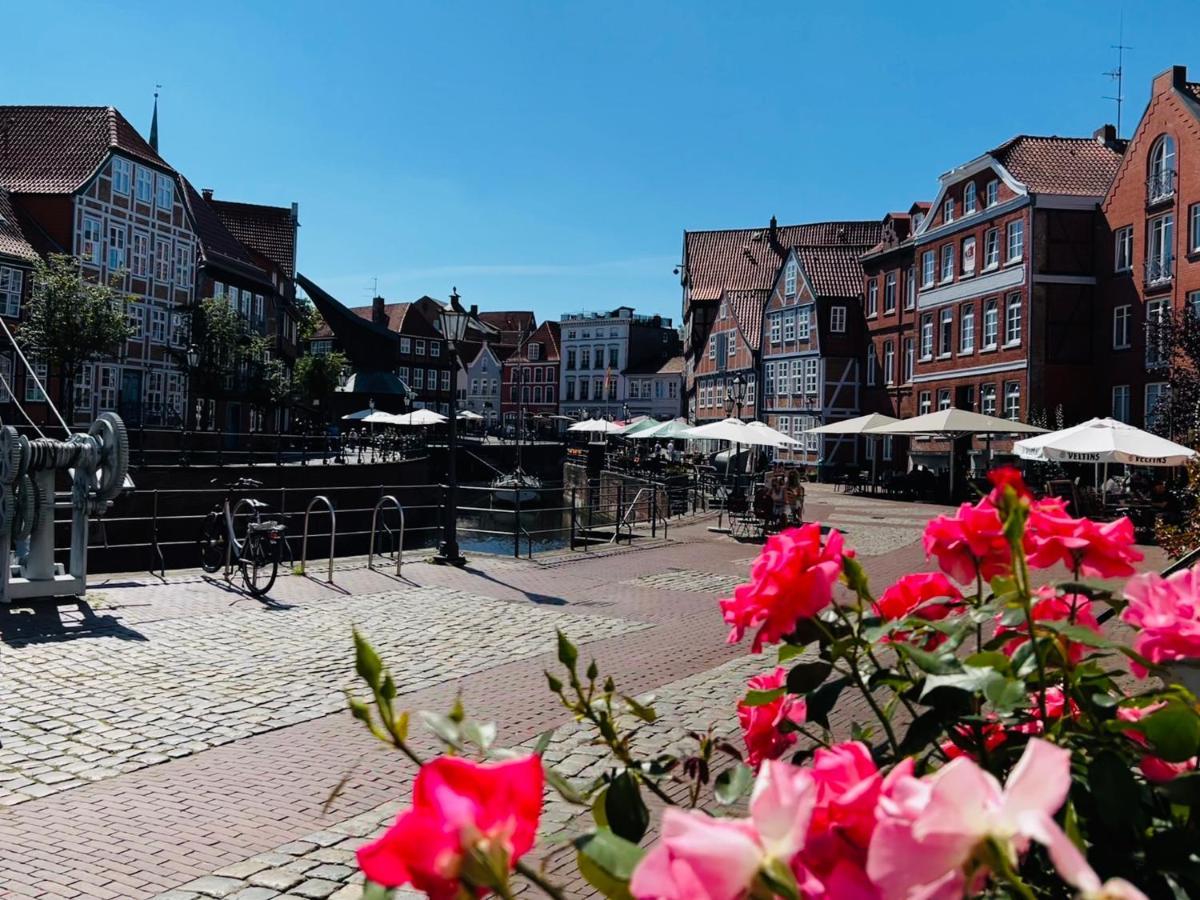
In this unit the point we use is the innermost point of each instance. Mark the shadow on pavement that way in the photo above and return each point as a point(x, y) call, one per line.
point(49, 621)
point(540, 599)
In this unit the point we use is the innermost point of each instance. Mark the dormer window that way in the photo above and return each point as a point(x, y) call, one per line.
point(993, 192)
point(948, 210)
point(789, 280)
point(969, 199)
point(918, 221)
point(535, 351)
point(1160, 184)
point(122, 171)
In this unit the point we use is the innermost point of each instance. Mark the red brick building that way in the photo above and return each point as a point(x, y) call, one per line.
point(1006, 281)
point(529, 385)
point(1149, 256)
point(732, 350)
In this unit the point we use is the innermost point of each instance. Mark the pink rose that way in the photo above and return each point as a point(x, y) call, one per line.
point(792, 579)
point(1166, 614)
point(848, 788)
point(913, 595)
point(1050, 606)
point(1098, 550)
point(458, 806)
point(760, 724)
point(968, 543)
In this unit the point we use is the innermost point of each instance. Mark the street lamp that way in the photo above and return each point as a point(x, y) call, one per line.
point(735, 396)
point(625, 412)
point(453, 320)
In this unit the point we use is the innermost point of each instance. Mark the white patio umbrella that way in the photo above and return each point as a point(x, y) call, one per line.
point(1106, 440)
point(735, 431)
point(379, 417)
point(857, 425)
point(675, 428)
point(954, 422)
point(1031, 448)
point(468, 414)
point(596, 426)
point(361, 414)
point(421, 417)
point(781, 439)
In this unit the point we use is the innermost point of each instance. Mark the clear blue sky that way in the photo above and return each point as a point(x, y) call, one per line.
point(549, 155)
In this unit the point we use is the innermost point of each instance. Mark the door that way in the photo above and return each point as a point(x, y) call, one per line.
point(130, 404)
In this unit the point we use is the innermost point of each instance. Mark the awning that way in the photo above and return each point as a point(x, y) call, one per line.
point(956, 421)
point(1106, 441)
point(859, 425)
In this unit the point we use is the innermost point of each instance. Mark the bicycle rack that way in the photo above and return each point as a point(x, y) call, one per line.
point(320, 498)
point(374, 516)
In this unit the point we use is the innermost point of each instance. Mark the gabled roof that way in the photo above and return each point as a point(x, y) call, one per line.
point(749, 258)
point(670, 366)
point(746, 308)
point(13, 243)
point(217, 245)
point(548, 335)
point(367, 345)
point(56, 149)
point(1059, 165)
point(509, 320)
point(833, 271)
point(271, 230)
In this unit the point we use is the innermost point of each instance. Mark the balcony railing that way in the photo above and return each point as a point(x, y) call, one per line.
point(1159, 270)
point(1160, 186)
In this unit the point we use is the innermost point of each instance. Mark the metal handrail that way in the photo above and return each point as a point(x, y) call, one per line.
point(320, 498)
point(374, 516)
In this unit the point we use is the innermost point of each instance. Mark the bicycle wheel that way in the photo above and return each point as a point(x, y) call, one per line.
point(212, 544)
point(259, 562)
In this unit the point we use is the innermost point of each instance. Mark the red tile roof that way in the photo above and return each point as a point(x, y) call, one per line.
point(747, 259)
point(55, 149)
point(1058, 165)
point(394, 314)
point(671, 366)
point(217, 245)
point(270, 230)
point(13, 242)
point(548, 335)
point(746, 307)
point(509, 320)
point(833, 271)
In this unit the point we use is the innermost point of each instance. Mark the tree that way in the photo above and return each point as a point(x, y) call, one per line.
point(317, 376)
point(235, 360)
point(1173, 357)
point(71, 321)
point(308, 320)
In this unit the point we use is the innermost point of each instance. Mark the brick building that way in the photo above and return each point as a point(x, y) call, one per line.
point(813, 332)
point(1006, 281)
point(732, 350)
point(531, 377)
point(1149, 255)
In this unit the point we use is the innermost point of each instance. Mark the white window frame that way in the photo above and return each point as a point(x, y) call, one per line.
point(991, 324)
point(1122, 409)
point(122, 176)
point(1123, 248)
point(910, 359)
point(1012, 392)
point(12, 282)
point(1122, 330)
point(1158, 389)
point(966, 329)
point(967, 261)
point(945, 335)
point(1013, 320)
point(435, 349)
point(144, 185)
point(991, 249)
point(92, 240)
point(799, 373)
point(924, 402)
point(769, 379)
point(910, 288)
point(889, 292)
point(158, 325)
point(946, 270)
point(969, 198)
point(164, 194)
point(162, 259)
point(803, 323)
point(811, 375)
point(1160, 246)
point(987, 398)
point(837, 319)
point(33, 390)
point(993, 192)
point(117, 239)
point(872, 364)
point(943, 399)
point(889, 362)
point(1157, 311)
point(948, 210)
point(789, 279)
point(406, 345)
point(1194, 228)
point(1015, 246)
point(928, 268)
point(927, 336)
point(775, 328)
point(873, 298)
point(789, 325)
point(139, 253)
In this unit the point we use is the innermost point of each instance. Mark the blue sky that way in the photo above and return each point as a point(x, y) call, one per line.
point(549, 155)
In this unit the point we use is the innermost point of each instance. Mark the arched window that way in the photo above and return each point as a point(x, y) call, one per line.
point(537, 393)
point(1161, 181)
point(969, 198)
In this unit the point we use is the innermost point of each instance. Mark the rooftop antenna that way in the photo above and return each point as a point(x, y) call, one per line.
point(1118, 74)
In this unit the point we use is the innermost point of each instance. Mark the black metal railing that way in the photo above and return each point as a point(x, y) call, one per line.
point(1160, 186)
point(1159, 270)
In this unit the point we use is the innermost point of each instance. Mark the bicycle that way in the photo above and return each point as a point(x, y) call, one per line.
point(257, 554)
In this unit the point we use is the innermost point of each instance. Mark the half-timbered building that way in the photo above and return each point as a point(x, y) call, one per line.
point(732, 351)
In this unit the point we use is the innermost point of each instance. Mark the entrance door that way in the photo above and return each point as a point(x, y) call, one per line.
point(130, 404)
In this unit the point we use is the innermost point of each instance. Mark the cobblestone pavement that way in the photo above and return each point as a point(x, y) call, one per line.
point(214, 729)
point(176, 687)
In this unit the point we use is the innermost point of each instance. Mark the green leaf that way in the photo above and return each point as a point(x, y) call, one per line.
point(1114, 790)
point(818, 703)
point(643, 711)
point(481, 734)
point(598, 815)
point(1105, 701)
point(366, 661)
point(1174, 731)
point(1077, 633)
point(933, 663)
point(789, 651)
point(543, 742)
point(989, 658)
point(373, 891)
point(624, 808)
point(564, 788)
point(1006, 695)
point(733, 784)
point(856, 577)
point(1184, 790)
point(567, 654)
point(923, 732)
point(762, 698)
point(442, 726)
point(607, 861)
point(388, 689)
point(972, 679)
point(807, 676)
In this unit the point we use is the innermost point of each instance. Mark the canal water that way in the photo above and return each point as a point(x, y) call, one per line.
point(485, 526)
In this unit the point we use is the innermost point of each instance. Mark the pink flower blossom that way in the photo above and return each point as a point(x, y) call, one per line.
point(1073, 868)
point(459, 806)
point(1166, 614)
point(969, 543)
point(1049, 606)
point(1006, 477)
point(761, 724)
point(913, 595)
point(1098, 550)
point(699, 857)
point(923, 847)
point(792, 579)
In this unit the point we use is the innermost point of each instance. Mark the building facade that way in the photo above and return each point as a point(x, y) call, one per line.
point(655, 388)
point(480, 379)
point(729, 366)
point(1149, 254)
point(530, 379)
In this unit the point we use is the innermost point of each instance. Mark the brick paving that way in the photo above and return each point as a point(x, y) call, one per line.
point(272, 675)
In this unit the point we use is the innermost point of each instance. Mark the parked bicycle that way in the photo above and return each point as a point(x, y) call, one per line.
point(257, 553)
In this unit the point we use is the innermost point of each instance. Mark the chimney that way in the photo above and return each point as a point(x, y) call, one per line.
point(296, 212)
point(1105, 134)
point(1174, 77)
point(378, 313)
point(474, 310)
point(206, 193)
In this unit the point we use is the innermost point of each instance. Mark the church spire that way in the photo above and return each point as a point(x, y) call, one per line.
point(154, 121)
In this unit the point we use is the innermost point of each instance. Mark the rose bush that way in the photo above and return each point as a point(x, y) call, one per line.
point(1008, 751)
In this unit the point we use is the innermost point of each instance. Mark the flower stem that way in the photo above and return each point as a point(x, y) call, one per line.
point(1027, 606)
point(533, 876)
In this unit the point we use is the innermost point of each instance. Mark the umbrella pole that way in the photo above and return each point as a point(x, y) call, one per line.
point(951, 471)
point(874, 462)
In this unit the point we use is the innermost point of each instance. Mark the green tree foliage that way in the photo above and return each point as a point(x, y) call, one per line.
point(317, 376)
point(234, 359)
point(71, 321)
point(308, 320)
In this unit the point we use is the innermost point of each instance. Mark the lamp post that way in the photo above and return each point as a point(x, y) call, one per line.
point(625, 413)
point(453, 320)
point(735, 398)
